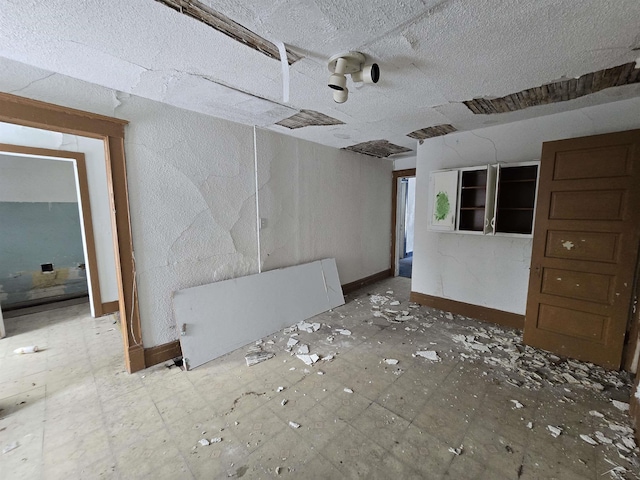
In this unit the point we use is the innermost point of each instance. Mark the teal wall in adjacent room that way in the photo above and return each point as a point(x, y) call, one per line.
point(34, 233)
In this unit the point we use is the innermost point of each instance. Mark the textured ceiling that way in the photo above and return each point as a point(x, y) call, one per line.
point(433, 56)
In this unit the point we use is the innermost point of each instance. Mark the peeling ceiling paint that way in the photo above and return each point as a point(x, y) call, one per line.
point(208, 16)
point(377, 148)
point(430, 132)
point(433, 55)
point(308, 118)
point(562, 91)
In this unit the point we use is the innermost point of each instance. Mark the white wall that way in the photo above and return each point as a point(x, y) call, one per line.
point(192, 184)
point(484, 270)
point(25, 179)
point(320, 202)
point(404, 163)
point(93, 150)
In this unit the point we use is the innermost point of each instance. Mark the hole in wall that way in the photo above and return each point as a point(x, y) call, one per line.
point(46, 267)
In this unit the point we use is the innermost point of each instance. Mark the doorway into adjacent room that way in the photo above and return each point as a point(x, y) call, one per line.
point(404, 195)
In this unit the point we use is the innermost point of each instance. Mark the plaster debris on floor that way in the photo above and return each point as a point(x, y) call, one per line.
point(435, 396)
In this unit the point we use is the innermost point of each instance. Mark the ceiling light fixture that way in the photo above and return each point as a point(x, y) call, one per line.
point(350, 63)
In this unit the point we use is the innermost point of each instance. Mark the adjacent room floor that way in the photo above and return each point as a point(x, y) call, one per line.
point(474, 404)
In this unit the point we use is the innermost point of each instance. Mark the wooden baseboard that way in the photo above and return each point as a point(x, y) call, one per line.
point(500, 317)
point(376, 277)
point(634, 409)
point(162, 353)
point(110, 307)
point(44, 301)
point(134, 358)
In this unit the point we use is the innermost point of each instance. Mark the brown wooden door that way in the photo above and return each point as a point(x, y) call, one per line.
point(585, 245)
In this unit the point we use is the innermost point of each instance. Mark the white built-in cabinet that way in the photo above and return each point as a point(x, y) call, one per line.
point(485, 200)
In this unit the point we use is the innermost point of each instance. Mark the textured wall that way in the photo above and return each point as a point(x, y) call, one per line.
point(486, 270)
point(192, 199)
point(192, 185)
point(320, 202)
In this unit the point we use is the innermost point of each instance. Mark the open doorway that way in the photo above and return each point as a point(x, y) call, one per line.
point(404, 190)
point(405, 252)
point(109, 132)
point(47, 253)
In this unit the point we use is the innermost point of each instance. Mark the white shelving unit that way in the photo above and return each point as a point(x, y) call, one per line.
point(489, 200)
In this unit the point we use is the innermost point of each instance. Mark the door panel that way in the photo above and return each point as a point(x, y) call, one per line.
point(585, 247)
point(592, 287)
point(600, 247)
point(595, 163)
point(587, 205)
point(575, 323)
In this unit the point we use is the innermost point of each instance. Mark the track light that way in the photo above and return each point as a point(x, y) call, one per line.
point(338, 81)
point(340, 96)
point(350, 63)
point(368, 74)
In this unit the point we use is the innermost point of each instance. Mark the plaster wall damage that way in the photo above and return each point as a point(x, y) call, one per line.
point(320, 202)
point(493, 271)
point(192, 184)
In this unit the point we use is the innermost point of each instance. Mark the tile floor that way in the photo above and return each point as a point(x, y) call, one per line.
point(76, 413)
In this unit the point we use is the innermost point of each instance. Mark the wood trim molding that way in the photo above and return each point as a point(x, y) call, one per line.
point(85, 209)
point(634, 408)
point(409, 172)
point(110, 307)
point(33, 113)
point(162, 353)
point(376, 277)
point(499, 317)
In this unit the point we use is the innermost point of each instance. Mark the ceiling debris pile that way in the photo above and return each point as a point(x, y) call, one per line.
point(430, 132)
point(377, 148)
point(223, 24)
point(405, 336)
point(561, 91)
point(308, 118)
point(527, 367)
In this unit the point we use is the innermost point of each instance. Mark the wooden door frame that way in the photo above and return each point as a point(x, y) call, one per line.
point(37, 114)
point(99, 308)
point(409, 172)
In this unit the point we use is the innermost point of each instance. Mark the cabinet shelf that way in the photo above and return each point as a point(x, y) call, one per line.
point(494, 199)
point(524, 180)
